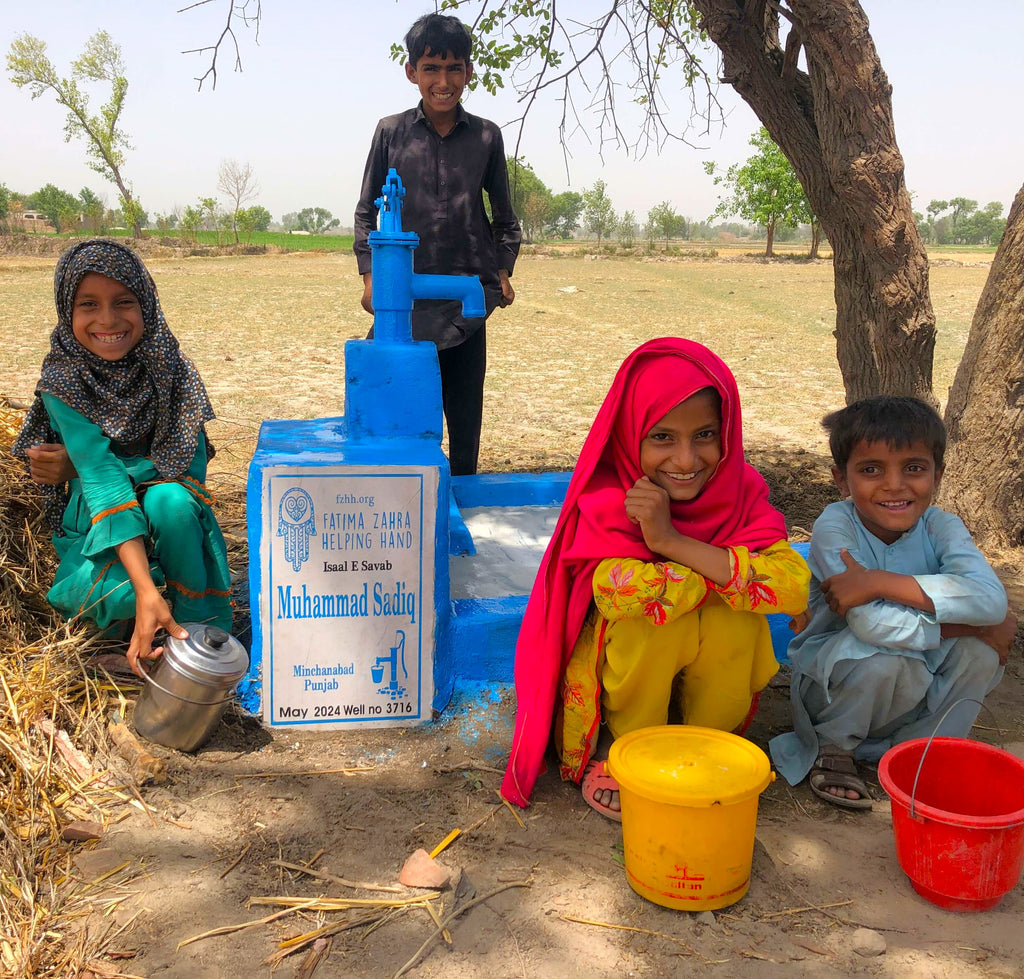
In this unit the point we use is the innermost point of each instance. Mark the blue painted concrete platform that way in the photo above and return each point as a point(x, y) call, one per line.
point(483, 631)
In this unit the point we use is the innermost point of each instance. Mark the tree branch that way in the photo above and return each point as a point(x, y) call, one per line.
point(236, 8)
point(789, 60)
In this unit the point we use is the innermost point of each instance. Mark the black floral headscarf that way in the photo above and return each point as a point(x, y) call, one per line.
point(153, 393)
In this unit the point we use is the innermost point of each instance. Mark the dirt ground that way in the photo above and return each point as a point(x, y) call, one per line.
point(355, 805)
point(210, 851)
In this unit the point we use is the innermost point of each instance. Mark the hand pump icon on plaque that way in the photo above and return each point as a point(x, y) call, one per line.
point(393, 659)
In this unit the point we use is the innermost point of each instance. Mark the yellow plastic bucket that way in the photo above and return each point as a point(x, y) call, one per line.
point(689, 810)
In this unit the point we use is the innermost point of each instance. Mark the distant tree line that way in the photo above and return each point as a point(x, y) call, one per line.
point(959, 222)
point(545, 215)
point(62, 209)
point(87, 212)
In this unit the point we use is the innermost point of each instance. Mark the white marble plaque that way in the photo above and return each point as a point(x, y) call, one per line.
point(347, 600)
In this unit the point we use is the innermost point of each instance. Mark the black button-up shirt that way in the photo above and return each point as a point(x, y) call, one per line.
point(444, 177)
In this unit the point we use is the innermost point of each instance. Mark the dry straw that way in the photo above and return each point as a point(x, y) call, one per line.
point(56, 766)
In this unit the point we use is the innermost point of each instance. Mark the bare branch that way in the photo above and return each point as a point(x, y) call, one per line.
point(789, 61)
point(644, 37)
point(249, 12)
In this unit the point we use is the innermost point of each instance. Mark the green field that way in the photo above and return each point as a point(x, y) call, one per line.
point(279, 239)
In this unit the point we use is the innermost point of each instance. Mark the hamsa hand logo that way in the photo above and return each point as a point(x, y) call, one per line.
point(296, 523)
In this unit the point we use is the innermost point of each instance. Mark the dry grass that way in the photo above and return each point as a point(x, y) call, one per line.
point(51, 724)
point(55, 762)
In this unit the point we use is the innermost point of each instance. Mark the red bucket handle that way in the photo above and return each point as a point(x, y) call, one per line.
point(920, 764)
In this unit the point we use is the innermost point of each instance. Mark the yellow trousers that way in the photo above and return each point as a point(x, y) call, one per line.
point(724, 657)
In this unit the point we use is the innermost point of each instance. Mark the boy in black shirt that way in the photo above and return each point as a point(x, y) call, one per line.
point(446, 159)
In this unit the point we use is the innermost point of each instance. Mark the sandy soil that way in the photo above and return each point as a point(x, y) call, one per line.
point(819, 874)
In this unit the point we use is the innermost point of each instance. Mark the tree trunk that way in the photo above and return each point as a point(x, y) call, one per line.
point(985, 414)
point(127, 195)
point(834, 124)
point(768, 253)
point(815, 239)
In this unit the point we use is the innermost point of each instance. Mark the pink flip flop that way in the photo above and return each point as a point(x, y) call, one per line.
point(596, 778)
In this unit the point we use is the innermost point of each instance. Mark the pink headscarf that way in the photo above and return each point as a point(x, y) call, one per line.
point(732, 509)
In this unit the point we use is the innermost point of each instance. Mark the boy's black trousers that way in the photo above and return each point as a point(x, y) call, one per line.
point(462, 396)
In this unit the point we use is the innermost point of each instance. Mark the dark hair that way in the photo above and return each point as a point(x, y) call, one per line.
point(716, 398)
point(897, 421)
point(440, 35)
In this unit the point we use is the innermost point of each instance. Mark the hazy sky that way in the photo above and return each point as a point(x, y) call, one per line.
point(304, 108)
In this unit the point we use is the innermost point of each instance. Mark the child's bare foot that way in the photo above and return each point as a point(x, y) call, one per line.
point(834, 778)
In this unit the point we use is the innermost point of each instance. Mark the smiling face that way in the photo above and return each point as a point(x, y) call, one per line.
point(891, 488)
point(440, 79)
point(106, 317)
point(680, 454)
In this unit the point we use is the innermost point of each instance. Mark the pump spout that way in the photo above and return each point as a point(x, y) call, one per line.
point(466, 288)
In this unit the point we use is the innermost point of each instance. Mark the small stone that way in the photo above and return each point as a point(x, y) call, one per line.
point(463, 889)
point(706, 918)
point(568, 289)
point(81, 830)
point(868, 943)
point(421, 870)
point(96, 863)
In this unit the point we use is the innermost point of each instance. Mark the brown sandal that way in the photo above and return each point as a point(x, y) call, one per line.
point(837, 769)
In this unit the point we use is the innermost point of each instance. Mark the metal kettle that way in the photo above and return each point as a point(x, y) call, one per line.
point(189, 688)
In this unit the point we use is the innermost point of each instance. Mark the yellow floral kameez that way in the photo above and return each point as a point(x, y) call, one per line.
point(653, 621)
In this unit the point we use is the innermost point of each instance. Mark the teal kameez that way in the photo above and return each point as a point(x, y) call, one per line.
point(119, 495)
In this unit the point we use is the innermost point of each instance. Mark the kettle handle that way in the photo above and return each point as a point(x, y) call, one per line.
point(185, 700)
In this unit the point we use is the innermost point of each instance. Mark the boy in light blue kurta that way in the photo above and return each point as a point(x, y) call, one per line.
point(906, 617)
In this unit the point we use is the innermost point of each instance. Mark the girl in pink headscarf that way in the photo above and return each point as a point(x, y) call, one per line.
point(666, 557)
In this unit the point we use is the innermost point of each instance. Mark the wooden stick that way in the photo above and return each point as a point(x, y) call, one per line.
point(483, 819)
point(323, 875)
point(472, 767)
point(292, 945)
point(313, 859)
point(450, 838)
point(149, 812)
point(343, 903)
point(234, 863)
point(315, 771)
point(508, 806)
point(228, 929)
point(144, 765)
point(639, 931)
point(445, 933)
point(810, 907)
point(451, 917)
point(321, 948)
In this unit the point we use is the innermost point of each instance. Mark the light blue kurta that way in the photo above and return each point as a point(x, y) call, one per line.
point(884, 674)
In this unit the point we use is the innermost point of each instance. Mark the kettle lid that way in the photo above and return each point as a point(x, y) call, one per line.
point(209, 651)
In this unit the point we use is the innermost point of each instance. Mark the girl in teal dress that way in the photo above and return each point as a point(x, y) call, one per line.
point(117, 437)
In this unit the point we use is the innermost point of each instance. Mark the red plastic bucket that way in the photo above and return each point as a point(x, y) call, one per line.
point(960, 832)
